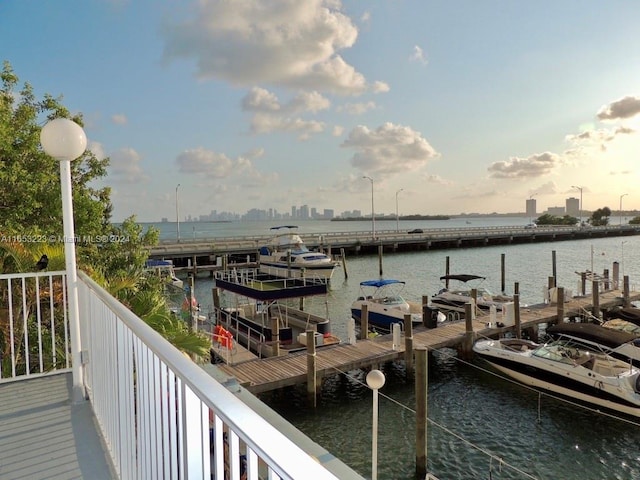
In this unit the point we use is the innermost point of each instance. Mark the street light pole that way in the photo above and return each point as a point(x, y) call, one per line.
point(177, 216)
point(373, 215)
point(65, 141)
point(620, 211)
point(580, 207)
point(397, 216)
point(375, 380)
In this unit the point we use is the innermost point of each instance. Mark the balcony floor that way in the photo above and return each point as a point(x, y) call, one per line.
point(44, 436)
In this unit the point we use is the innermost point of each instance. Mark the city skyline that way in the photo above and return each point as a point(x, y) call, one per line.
point(439, 108)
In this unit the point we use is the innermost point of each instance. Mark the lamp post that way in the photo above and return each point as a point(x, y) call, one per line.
point(397, 217)
point(375, 380)
point(373, 215)
point(620, 212)
point(177, 216)
point(65, 141)
point(580, 206)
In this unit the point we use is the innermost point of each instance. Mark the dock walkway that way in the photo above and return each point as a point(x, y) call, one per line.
point(262, 375)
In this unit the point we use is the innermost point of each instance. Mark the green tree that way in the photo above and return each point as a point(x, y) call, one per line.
point(30, 198)
point(548, 219)
point(634, 221)
point(600, 217)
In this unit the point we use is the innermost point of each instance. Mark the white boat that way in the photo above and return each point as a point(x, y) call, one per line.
point(609, 339)
point(567, 369)
point(454, 298)
point(287, 256)
point(164, 270)
point(385, 305)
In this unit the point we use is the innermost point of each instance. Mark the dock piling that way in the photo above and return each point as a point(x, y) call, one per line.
point(595, 298)
point(502, 272)
point(625, 293)
point(408, 344)
point(343, 260)
point(516, 311)
point(364, 321)
point(560, 305)
point(421, 388)
point(312, 385)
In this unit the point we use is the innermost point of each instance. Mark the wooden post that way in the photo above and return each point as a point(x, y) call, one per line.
point(616, 276)
point(583, 283)
point(502, 272)
point(344, 263)
point(225, 262)
point(551, 282)
point(474, 296)
point(607, 284)
point(408, 344)
point(467, 347)
point(516, 288)
point(275, 337)
point(560, 305)
point(195, 266)
point(446, 271)
point(215, 293)
point(311, 368)
point(553, 268)
point(289, 274)
point(364, 321)
point(421, 387)
point(516, 312)
point(626, 292)
point(595, 297)
point(380, 259)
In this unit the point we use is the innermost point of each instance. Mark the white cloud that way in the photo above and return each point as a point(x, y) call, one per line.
point(97, 149)
point(281, 42)
point(418, 55)
point(596, 138)
point(390, 149)
point(266, 123)
point(357, 108)
point(260, 100)
point(201, 161)
point(209, 165)
point(338, 130)
point(625, 107)
point(119, 119)
point(533, 166)
point(125, 166)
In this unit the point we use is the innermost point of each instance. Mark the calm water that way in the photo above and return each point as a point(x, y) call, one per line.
point(476, 415)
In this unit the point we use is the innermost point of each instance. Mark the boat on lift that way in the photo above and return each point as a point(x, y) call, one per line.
point(286, 255)
point(454, 298)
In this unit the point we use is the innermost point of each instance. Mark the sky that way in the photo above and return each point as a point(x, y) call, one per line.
point(449, 107)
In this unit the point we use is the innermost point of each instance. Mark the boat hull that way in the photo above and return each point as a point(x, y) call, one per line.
point(572, 385)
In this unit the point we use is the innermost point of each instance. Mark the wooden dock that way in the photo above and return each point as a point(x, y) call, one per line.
point(262, 375)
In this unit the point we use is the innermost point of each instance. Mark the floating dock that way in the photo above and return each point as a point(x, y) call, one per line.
point(263, 375)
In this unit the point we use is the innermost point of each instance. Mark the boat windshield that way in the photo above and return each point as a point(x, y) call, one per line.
point(556, 353)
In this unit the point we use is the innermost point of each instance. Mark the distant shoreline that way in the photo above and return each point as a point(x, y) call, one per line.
point(403, 217)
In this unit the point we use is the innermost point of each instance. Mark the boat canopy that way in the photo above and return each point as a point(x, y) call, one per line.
point(462, 277)
point(283, 226)
point(158, 263)
point(595, 333)
point(380, 283)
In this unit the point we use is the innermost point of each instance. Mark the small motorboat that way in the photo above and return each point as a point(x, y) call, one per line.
point(287, 256)
point(454, 298)
point(385, 305)
point(164, 270)
point(568, 369)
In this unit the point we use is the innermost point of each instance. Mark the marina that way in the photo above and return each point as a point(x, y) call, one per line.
point(462, 396)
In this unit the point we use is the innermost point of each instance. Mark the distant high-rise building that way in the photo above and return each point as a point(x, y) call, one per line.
point(304, 212)
point(556, 211)
point(328, 213)
point(573, 206)
point(531, 207)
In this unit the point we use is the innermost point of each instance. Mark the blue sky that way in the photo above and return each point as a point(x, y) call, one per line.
point(449, 106)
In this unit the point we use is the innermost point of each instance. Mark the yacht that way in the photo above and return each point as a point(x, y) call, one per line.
point(287, 256)
point(568, 369)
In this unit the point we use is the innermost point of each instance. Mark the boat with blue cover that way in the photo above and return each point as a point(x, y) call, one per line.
point(385, 304)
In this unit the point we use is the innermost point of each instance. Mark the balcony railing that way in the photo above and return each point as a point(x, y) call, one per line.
point(160, 414)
